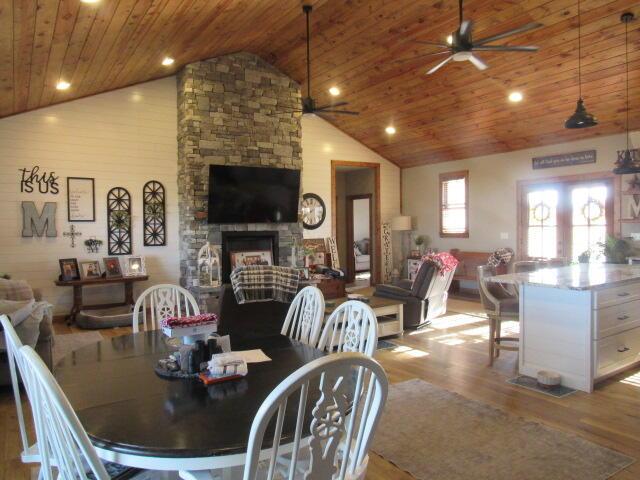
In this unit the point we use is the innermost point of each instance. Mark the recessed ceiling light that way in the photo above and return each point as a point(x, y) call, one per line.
point(89, 1)
point(335, 91)
point(450, 39)
point(62, 85)
point(166, 61)
point(515, 97)
point(390, 129)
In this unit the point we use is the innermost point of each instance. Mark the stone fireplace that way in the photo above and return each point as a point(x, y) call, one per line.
point(233, 110)
point(248, 242)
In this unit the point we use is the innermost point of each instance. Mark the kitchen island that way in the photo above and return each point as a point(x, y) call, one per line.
point(581, 321)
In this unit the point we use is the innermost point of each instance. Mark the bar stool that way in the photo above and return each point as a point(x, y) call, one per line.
point(500, 305)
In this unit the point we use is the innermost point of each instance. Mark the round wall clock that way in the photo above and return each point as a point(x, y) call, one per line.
point(313, 211)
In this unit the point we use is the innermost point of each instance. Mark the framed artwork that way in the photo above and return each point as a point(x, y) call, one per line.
point(135, 266)
point(112, 267)
point(332, 248)
point(69, 269)
point(90, 270)
point(316, 258)
point(315, 244)
point(81, 199)
point(255, 257)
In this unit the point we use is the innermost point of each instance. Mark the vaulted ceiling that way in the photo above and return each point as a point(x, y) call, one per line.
point(366, 48)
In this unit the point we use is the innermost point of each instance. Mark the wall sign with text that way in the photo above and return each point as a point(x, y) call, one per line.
point(81, 201)
point(564, 159)
point(44, 182)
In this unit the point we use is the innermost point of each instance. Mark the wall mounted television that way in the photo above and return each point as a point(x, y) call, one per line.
point(253, 194)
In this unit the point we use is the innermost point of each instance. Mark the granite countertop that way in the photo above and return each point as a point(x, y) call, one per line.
point(574, 277)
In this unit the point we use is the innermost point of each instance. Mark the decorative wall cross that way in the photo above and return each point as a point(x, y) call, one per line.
point(73, 234)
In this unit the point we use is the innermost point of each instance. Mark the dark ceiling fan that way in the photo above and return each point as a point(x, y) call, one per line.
point(308, 102)
point(462, 47)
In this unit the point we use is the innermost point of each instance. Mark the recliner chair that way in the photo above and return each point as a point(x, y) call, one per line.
point(424, 299)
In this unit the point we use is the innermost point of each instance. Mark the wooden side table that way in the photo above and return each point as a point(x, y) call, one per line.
point(331, 287)
point(79, 284)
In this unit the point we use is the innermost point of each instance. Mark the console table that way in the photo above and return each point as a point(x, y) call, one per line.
point(79, 284)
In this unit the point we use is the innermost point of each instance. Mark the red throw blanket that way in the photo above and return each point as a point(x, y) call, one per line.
point(443, 261)
point(192, 321)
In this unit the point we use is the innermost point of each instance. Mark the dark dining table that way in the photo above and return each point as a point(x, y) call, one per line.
point(136, 418)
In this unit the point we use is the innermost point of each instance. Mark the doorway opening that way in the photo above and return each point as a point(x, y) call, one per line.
point(356, 221)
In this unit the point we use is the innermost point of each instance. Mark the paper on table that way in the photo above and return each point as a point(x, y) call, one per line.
point(253, 356)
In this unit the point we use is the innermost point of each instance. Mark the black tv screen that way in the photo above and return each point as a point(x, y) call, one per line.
point(253, 194)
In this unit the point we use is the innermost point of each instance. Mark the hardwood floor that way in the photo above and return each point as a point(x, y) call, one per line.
point(452, 353)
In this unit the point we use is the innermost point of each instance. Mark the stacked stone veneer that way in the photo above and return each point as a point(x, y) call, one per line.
point(232, 110)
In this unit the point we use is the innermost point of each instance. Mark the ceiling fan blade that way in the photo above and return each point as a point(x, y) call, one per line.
point(412, 59)
point(332, 105)
point(433, 44)
point(344, 112)
point(479, 64)
point(522, 29)
point(504, 48)
point(465, 28)
point(440, 65)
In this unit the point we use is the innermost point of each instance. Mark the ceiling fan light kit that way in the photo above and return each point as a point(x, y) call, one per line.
point(628, 161)
point(462, 45)
point(580, 118)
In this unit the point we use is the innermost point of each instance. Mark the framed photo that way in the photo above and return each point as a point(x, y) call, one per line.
point(112, 267)
point(135, 266)
point(81, 199)
point(317, 258)
point(255, 257)
point(90, 270)
point(69, 269)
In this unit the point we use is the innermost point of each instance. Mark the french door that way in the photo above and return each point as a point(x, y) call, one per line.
point(565, 219)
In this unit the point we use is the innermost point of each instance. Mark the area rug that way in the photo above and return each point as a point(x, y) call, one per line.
point(435, 434)
point(63, 345)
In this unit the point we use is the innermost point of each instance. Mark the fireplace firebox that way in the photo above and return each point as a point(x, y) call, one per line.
point(247, 242)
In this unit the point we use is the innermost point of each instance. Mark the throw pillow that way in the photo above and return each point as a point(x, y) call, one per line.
point(17, 311)
point(15, 290)
point(29, 330)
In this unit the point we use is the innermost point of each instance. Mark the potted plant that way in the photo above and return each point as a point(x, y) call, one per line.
point(422, 242)
point(93, 245)
point(584, 257)
point(615, 250)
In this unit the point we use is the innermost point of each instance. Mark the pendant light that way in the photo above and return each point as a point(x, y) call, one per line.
point(580, 118)
point(627, 161)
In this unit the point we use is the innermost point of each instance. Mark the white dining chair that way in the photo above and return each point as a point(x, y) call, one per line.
point(13, 344)
point(352, 327)
point(334, 444)
point(304, 318)
point(160, 302)
point(65, 449)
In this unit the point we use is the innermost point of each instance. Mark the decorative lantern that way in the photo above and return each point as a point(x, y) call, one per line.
point(209, 269)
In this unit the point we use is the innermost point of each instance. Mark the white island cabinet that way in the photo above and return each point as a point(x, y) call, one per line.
point(581, 321)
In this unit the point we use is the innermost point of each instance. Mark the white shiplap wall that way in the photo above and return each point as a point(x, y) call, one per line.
point(121, 138)
point(321, 143)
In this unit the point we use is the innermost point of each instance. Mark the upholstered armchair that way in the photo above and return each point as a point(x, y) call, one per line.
point(424, 299)
point(33, 322)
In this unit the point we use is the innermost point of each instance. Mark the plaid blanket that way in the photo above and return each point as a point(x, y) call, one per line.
point(261, 283)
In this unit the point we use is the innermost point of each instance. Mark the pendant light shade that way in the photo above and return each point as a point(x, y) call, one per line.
point(628, 161)
point(580, 118)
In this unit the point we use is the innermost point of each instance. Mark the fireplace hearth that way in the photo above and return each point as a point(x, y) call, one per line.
point(249, 241)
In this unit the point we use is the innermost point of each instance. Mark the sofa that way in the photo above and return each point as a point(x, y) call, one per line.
point(248, 321)
point(424, 299)
point(361, 255)
point(35, 322)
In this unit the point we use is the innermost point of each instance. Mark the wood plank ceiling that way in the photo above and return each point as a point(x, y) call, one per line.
point(366, 48)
